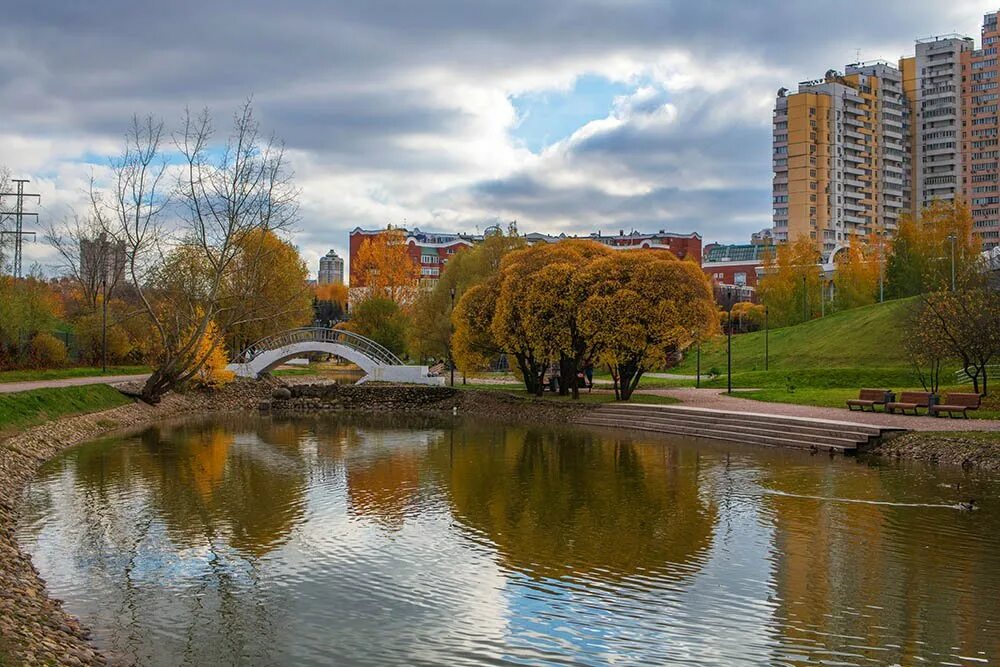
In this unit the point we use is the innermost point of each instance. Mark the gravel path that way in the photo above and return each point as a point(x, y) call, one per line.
point(11, 387)
point(717, 400)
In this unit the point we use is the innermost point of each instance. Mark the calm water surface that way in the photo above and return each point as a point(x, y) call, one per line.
point(310, 541)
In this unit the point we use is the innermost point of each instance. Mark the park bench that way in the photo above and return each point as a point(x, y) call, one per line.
point(910, 400)
point(956, 402)
point(868, 398)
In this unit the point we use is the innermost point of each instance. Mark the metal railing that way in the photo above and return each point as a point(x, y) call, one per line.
point(374, 351)
point(992, 371)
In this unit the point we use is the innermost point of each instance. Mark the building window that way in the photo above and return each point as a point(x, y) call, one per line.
point(740, 278)
point(429, 259)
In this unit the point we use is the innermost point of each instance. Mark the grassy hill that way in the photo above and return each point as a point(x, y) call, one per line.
point(861, 338)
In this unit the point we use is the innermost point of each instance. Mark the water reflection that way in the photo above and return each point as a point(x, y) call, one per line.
point(322, 541)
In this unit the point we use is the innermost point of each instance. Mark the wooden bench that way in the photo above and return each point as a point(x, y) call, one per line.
point(868, 398)
point(909, 400)
point(956, 402)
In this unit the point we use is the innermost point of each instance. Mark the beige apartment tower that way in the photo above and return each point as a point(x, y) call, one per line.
point(841, 157)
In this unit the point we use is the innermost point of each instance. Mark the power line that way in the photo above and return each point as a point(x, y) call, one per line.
point(18, 214)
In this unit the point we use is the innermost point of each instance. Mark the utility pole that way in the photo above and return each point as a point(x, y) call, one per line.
point(19, 214)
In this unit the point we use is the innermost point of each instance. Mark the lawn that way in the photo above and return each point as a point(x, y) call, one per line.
point(866, 337)
point(75, 372)
point(28, 408)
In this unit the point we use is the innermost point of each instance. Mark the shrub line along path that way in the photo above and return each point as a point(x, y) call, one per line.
point(716, 399)
point(12, 387)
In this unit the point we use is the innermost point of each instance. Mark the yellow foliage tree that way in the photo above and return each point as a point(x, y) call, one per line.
point(211, 350)
point(643, 309)
point(857, 274)
point(386, 268)
point(924, 250)
point(791, 286)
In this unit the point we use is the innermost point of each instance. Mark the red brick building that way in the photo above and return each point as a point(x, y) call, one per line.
point(431, 250)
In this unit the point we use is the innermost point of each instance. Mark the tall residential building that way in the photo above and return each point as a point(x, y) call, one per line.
point(936, 90)
point(980, 130)
point(840, 156)
point(331, 269)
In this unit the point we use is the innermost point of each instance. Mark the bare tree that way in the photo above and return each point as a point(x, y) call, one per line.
point(4, 218)
point(86, 255)
point(222, 198)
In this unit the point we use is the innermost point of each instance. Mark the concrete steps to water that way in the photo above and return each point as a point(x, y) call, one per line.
point(751, 428)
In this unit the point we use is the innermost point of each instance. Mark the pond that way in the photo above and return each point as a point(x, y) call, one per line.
point(335, 541)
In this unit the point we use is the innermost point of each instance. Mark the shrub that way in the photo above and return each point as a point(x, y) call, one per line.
point(46, 351)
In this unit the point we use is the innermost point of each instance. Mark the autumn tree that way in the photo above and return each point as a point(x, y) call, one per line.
point(386, 269)
point(264, 291)
point(431, 324)
point(329, 303)
point(28, 306)
point(643, 308)
point(227, 195)
point(966, 323)
point(856, 277)
point(791, 286)
point(921, 255)
point(380, 319)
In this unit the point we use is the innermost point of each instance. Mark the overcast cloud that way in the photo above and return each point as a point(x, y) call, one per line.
point(566, 116)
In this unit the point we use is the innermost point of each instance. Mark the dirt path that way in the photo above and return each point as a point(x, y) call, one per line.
point(12, 387)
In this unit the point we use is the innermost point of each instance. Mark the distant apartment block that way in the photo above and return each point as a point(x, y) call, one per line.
point(331, 269)
point(857, 149)
point(980, 129)
point(841, 156)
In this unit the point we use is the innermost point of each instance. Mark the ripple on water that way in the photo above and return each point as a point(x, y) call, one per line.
point(305, 541)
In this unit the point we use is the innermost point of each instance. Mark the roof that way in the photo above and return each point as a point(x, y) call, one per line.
point(744, 252)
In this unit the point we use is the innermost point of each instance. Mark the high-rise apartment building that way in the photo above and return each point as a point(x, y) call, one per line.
point(935, 93)
point(979, 137)
point(841, 156)
point(331, 269)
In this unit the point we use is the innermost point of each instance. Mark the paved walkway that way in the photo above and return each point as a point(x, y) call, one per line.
point(12, 387)
point(717, 400)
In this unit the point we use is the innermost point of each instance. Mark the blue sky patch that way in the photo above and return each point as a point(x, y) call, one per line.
point(546, 117)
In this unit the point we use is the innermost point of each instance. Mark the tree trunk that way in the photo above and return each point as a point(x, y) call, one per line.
point(158, 384)
point(567, 375)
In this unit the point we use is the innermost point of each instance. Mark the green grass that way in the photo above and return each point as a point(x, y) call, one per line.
point(294, 371)
point(28, 408)
point(860, 338)
point(76, 372)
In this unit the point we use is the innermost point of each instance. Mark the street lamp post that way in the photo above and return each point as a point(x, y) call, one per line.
point(765, 337)
point(697, 377)
point(451, 327)
point(731, 292)
point(952, 238)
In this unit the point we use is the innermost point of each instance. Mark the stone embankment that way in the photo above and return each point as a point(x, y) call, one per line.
point(948, 448)
point(371, 397)
point(34, 629)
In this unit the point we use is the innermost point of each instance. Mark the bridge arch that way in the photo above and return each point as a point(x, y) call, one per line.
point(377, 361)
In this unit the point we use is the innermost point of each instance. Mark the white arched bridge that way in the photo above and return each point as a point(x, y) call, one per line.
point(377, 361)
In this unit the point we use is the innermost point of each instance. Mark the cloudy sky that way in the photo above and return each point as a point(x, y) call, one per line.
point(567, 116)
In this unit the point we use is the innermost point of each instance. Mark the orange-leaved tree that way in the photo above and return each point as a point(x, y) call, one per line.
point(386, 269)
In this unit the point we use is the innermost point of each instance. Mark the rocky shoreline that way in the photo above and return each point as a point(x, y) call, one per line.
point(942, 447)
